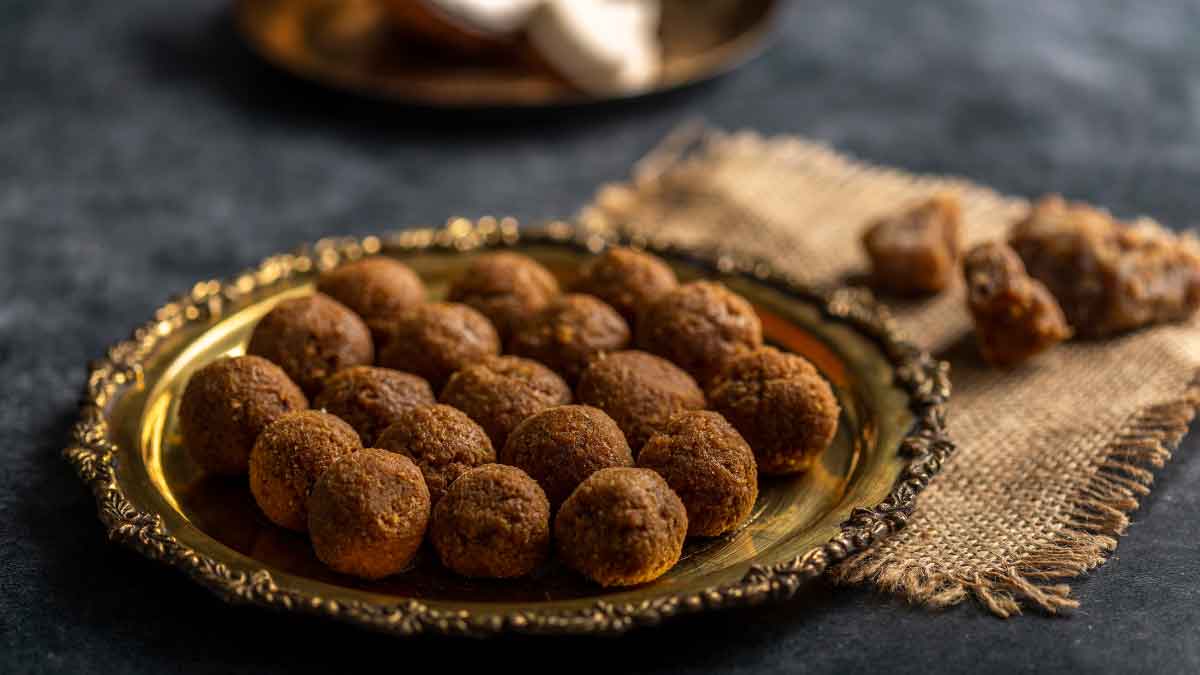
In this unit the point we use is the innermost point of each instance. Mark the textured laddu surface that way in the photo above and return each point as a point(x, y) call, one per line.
point(142, 150)
point(1046, 469)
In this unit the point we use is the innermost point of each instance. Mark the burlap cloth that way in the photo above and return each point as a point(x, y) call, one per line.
point(1052, 455)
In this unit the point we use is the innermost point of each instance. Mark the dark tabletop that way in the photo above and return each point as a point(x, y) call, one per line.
point(141, 149)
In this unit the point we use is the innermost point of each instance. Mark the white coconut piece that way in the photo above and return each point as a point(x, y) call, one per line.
point(601, 46)
point(466, 25)
point(500, 18)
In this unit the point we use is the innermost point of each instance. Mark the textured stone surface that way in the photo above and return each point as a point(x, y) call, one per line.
point(141, 149)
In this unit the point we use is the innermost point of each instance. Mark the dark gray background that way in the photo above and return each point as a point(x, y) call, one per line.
point(141, 149)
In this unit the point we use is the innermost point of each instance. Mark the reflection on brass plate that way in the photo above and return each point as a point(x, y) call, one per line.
point(150, 495)
point(350, 45)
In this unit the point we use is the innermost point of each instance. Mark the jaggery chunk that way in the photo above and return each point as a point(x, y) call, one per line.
point(562, 446)
point(499, 392)
point(443, 441)
point(621, 527)
point(227, 404)
point(288, 458)
point(627, 279)
point(1108, 276)
point(640, 391)
point(494, 522)
point(915, 252)
point(505, 287)
point(568, 332)
point(700, 327)
point(436, 339)
point(370, 399)
point(709, 465)
point(1015, 316)
point(781, 405)
point(312, 338)
point(368, 512)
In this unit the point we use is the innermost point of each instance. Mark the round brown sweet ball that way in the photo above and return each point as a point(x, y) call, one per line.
point(627, 279)
point(506, 287)
point(378, 289)
point(312, 338)
point(562, 446)
point(375, 288)
point(781, 405)
point(700, 326)
point(499, 392)
point(494, 522)
point(621, 527)
point(371, 399)
point(227, 404)
point(640, 391)
point(436, 339)
point(368, 512)
point(443, 441)
point(288, 458)
point(568, 332)
point(709, 465)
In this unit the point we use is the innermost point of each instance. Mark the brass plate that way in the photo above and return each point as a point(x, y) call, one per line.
point(151, 496)
point(350, 45)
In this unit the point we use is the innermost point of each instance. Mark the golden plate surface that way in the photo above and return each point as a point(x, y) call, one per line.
point(150, 495)
point(351, 45)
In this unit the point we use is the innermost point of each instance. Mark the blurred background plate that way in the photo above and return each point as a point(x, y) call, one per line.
point(351, 45)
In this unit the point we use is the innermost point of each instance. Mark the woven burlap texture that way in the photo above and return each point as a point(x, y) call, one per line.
point(1052, 456)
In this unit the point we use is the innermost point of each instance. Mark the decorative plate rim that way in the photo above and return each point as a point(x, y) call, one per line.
point(93, 453)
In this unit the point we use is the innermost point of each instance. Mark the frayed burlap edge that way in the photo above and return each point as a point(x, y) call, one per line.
point(1100, 515)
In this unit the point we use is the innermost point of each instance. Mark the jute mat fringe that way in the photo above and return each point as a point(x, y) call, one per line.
point(1053, 455)
point(1098, 515)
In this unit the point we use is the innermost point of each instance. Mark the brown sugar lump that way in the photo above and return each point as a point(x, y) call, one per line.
point(1015, 316)
point(371, 398)
point(562, 446)
point(494, 522)
point(376, 288)
point(227, 404)
point(443, 441)
point(505, 287)
point(288, 458)
point(781, 405)
point(499, 392)
point(700, 327)
point(1109, 277)
point(710, 466)
point(627, 279)
point(640, 391)
point(368, 512)
point(568, 332)
point(436, 339)
point(312, 338)
point(621, 527)
point(916, 252)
